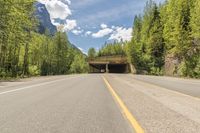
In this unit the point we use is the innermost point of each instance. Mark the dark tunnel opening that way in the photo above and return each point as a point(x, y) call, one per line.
point(117, 68)
point(112, 68)
point(97, 68)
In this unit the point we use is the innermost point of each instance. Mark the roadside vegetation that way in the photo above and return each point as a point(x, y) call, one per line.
point(166, 40)
point(24, 52)
point(110, 49)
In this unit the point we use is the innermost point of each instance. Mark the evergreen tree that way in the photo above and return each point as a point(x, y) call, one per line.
point(91, 53)
point(156, 43)
point(192, 58)
point(133, 48)
point(79, 64)
point(23, 52)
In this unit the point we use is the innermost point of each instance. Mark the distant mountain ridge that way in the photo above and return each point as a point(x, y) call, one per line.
point(45, 22)
point(44, 19)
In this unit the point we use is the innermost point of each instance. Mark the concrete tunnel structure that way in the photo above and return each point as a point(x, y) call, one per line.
point(109, 64)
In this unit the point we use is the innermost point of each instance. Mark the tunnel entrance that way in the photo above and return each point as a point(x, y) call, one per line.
point(97, 68)
point(109, 64)
point(109, 68)
point(118, 68)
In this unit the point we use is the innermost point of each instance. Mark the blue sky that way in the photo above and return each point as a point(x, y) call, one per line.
point(90, 23)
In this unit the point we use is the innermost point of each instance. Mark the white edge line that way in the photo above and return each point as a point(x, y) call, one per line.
point(28, 87)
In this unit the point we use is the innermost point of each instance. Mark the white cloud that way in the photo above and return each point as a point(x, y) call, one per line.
point(70, 25)
point(47, 1)
point(77, 32)
point(116, 33)
point(103, 26)
point(42, 1)
point(88, 33)
point(102, 33)
point(124, 34)
point(55, 23)
point(113, 27)
point(57, 8)
point(66, 1)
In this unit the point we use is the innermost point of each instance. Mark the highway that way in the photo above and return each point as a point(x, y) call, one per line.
point(186, 86)
point(100, 103)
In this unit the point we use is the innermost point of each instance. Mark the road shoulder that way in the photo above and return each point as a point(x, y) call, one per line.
point(156, 108)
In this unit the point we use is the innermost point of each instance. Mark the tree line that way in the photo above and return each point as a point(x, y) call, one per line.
point(110, 49)
point(25, 52)
point(166, 39)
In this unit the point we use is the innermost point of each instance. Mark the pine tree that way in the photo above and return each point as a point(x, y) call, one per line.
point(156, 43)
point(133, 48)
point(169, 24)
point(195, 25)
point(91, 53)
point(192, 58)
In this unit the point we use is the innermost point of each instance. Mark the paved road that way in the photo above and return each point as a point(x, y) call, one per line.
point(159, 109)
point(84, 104)
point(186, 86)
point(79, 104)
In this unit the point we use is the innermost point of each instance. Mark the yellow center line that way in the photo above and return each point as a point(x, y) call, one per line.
point(136, 126)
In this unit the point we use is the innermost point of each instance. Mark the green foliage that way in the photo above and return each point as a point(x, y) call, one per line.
point(194, 23)
point(146, 49)
point(91, 53)
point(173, 28)
point(53, 55)
point(79, 65)
point(111, 49)
point(193, 50)
point(17, 21)
point(23, 52)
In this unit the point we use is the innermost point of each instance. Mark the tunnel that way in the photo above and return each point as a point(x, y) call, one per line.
point(117, 68)
point(109, 68)
point(109, 64)
point(97, 68)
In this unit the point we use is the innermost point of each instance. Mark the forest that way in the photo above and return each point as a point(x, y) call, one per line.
point(165, 40)
point(25, 52)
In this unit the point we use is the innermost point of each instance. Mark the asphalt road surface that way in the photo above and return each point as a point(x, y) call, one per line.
point(186, 86)
point(86, 104)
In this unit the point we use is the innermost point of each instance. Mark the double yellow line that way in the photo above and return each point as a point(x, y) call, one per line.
point(137, 128)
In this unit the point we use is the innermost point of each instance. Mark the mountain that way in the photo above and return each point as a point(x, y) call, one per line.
point(45, 22)
point(44, 19)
